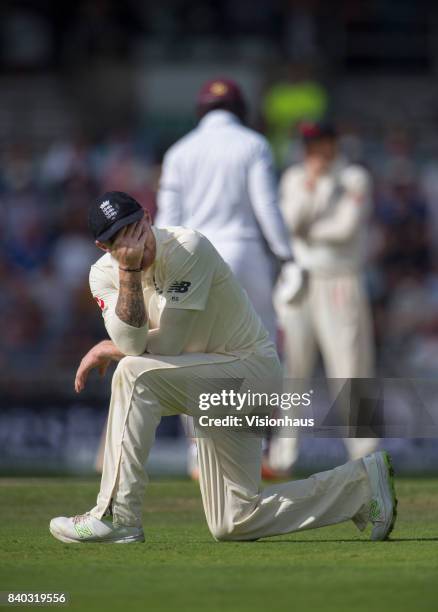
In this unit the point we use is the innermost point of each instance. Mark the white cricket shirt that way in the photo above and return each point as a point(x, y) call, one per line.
point(188, 274)
point(327, 225)
point(219, 179)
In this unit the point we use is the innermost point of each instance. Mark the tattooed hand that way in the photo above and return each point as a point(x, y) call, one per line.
point(128, 247)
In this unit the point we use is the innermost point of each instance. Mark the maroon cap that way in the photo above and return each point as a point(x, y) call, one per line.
point(315, 130)
point(220, 90)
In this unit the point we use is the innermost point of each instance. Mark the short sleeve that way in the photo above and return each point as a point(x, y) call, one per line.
point(189, 273)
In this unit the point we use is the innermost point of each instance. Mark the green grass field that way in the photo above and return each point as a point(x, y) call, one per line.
point(181, 568)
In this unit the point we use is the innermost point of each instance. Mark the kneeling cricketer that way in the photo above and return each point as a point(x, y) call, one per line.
point(177, 317)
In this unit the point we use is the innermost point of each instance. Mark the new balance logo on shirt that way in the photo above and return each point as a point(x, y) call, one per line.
point(179, 287)
point(175, 287)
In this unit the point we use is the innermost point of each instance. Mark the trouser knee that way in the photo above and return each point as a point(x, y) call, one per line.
point(129, 370)
point(222, 532)
point(230, 533)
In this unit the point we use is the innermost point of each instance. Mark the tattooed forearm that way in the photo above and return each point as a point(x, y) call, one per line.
point(130, 306)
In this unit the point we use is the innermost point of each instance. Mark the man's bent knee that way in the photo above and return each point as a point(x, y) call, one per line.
point(229, 533)
point(221, 532)
point(133, 367)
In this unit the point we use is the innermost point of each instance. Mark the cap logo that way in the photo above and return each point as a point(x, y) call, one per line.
point(218, 88)
point(108, 210)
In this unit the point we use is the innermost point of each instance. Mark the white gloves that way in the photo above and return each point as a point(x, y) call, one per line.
point(290, 284)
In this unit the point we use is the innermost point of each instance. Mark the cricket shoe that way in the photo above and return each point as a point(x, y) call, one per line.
point(85, 528)
point(383, 506)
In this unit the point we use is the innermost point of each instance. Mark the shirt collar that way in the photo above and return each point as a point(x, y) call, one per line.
point(218, 117)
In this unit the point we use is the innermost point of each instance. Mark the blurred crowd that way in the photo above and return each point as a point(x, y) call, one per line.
point(36, 34)
point(403, 257)
point(48, 319)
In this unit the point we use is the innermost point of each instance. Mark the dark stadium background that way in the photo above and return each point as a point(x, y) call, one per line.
point(92, 94)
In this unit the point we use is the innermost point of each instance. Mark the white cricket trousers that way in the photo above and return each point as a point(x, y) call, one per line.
point(146, 388)
point(334, 317)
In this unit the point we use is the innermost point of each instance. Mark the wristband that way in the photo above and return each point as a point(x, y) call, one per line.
point(130, 269)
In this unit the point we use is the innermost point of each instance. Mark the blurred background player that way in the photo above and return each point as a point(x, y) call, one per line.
point(219, 179)
point(325, 202)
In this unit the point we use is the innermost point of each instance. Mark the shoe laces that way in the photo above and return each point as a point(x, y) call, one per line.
point(80, 518)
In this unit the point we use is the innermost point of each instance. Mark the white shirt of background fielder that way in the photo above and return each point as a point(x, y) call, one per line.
point(220, 180)
point(327, 225)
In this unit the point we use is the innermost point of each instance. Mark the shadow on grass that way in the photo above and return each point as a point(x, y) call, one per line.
point(413, 540)
point(274, 541)
point(345, 540)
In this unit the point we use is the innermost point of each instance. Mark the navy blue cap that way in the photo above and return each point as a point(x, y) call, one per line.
point(111, 212)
